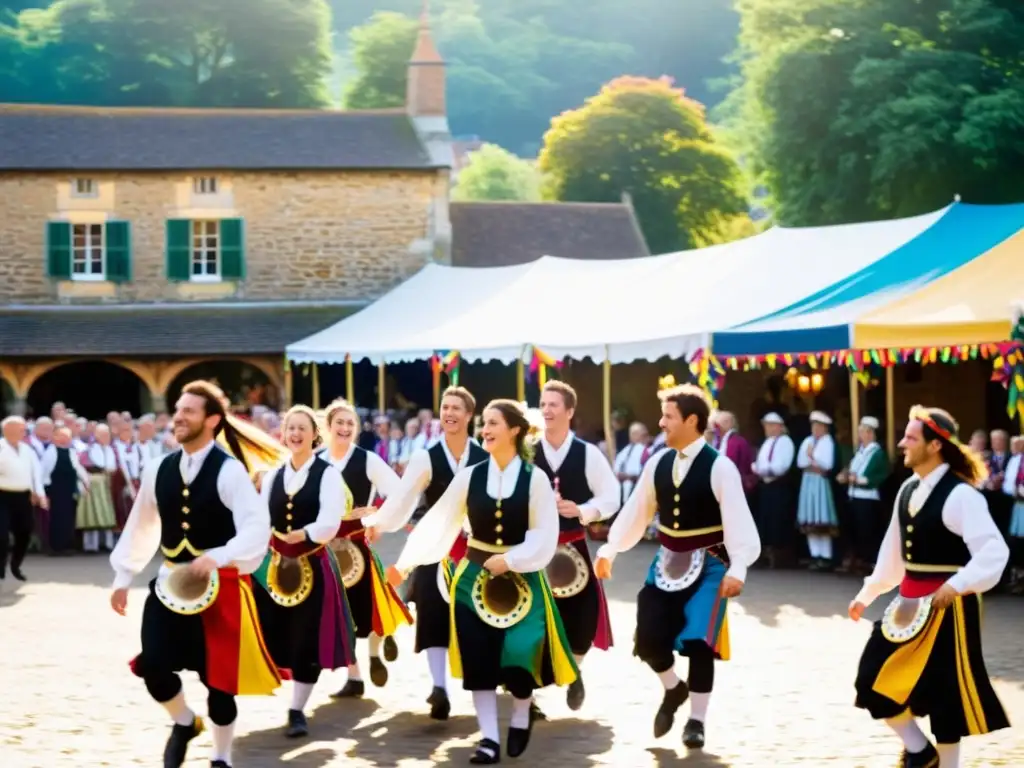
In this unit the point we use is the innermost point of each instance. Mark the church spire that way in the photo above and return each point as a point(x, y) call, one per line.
point(425, 94)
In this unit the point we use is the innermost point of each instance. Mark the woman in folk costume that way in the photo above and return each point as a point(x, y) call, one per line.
point(124, 482)
point(816, 510)
point(377, 609)
point(199, 508)
point(942, 549)
point(302, 606)
point(708, 541)
point(96, 512)
point(506, 627)
point(1013, 486)
point(865, 475)
point(775, 493)
point(65, 480)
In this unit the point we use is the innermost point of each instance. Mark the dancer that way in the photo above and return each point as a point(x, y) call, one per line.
point(429, 473)
point(586, 492)
point(942, 550)
point(200, 508)
point(376, 608)
point(506, 630)
point(698, 496)
point(302, 606)
point(20, 486)
point(816, 508)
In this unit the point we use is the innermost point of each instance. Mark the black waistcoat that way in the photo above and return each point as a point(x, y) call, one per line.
point(354, 475)
point(288, 513)
point(690, 507)
point(441, 474)
point(504, 523)
point(192, 513)
point(64, 477)
point(926, 543)
point(571, 479)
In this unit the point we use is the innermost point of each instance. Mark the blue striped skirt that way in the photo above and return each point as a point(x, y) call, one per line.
point(816, 510)
point(1017, 520)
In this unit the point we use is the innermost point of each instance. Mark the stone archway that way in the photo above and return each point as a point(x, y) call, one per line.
point(90, 388)
point(245, 382)
point(8, 398)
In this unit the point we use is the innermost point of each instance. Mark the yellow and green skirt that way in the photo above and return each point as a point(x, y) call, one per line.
point(519, 644)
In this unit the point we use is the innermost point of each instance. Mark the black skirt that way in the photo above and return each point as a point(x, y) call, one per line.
point(953, 689)
point(433, 616)
point(292, 634)
point(776, 513)
point(580, 613)
point(360, 594)
point(171, 642)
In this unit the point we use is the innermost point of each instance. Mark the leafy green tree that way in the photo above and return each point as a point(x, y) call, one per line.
point(875, 109)
point(647, 138)
point(494, 173)
point(380, 51)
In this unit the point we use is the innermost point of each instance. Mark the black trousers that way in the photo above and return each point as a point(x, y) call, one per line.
point(15, 522)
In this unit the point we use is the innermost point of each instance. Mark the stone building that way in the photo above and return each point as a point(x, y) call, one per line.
point(138, 246)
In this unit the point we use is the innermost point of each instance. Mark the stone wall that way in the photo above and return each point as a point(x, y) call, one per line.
point(316, 235)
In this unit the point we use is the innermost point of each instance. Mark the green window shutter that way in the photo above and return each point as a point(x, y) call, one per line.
point(179, 249)
point(118, 252)
point(58, 250)
point(232, 249)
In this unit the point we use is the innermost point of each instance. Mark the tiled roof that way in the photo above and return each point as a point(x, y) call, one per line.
point(142, 330)
point(505, 234)
point(56, 138)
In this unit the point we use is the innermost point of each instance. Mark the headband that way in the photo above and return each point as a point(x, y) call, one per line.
point(919, 413)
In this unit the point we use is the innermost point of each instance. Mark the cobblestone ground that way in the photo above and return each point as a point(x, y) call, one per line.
point(785, 699)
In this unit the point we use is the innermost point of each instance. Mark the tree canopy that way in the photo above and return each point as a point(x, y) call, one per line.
point(380, 52)
point(494, 173)
point(646, 138)
point(880, 108)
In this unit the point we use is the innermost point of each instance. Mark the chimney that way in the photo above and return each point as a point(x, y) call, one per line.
point(425, 94)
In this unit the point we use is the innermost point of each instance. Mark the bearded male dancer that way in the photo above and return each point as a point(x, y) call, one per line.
point(708, 541)
point(587, 491)
point(200, 508)
point(943, 550)
point(428, 475)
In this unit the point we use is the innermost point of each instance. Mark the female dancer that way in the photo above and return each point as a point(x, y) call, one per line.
point(302, 607)
point(376, 608)
point(502, 608)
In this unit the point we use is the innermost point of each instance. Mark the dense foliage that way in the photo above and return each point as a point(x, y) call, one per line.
point(494, 173)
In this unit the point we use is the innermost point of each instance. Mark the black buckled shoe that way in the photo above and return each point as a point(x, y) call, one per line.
point(927, 758)
point(219, 764)
point(176, 749)
point(488, 752)
point(297, 725)
point(536, 713)
point(693, 734)
point(666, 716)
point(576, 694)
point(390, 649)
point(518, 740)
point(353, 689)
point(440, 706)
point(378, 672)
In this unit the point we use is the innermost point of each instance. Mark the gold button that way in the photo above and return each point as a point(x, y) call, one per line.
point(287, 517)
point(676, 497)
point(909, 557)
point(909, 543)
point(288, 505)
point(910, 529)
point(675, 525)
point(184, 492)
point(184, 510)
point(185, 526)
point(498, 528)
point(288, 529)
point(498, 514)
point(675, 512)
point(499, 542)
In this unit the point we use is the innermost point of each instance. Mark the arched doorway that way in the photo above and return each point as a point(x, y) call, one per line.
point(7, 398)
point(244, 384)
point(90, 388)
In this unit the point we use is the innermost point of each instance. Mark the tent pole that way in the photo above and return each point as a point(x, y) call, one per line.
point(381, 394)
point(520, 379)
point(288, 396)
point(435, 377)
point(854, 405)
point(890, 411)
point(609, 436)
point(350, 384)
point(316, 387)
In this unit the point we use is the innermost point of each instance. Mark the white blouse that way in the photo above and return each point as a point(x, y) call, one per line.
point(383, 478)
point(102, 457)
point(598, 472)
point(332, 497)
point(433, 537)
point(824, 453)
point(775, 457)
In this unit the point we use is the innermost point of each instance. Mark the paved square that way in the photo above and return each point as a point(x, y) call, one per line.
point(784, 700)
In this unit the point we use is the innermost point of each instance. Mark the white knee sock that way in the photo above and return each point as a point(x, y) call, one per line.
point(486, 705)
point(949, 755)
point(669, 679)
point(108, 540)
point(354, 673)
point(222, 735)
point(91, 541)
point(437, 660)
point(906, 728)
point(699, 706)
point(520, 713)
point(374, 642)
point(826, 547)
point(812, 545)
point(300, 695)
point(178, 709)
point(579, 659)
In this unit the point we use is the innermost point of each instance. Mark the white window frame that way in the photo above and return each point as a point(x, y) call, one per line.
point(205, 186)
point(200, 251)
point(83, 187)
point(88, 253)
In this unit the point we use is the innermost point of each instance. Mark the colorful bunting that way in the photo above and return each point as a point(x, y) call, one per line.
point(448, 362)
point(540, 361)
point(857, 359)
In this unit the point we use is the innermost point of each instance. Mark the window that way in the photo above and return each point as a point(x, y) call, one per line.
point(87, 262)
point(84, 188)
point(205, 250)
point(204, 185)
